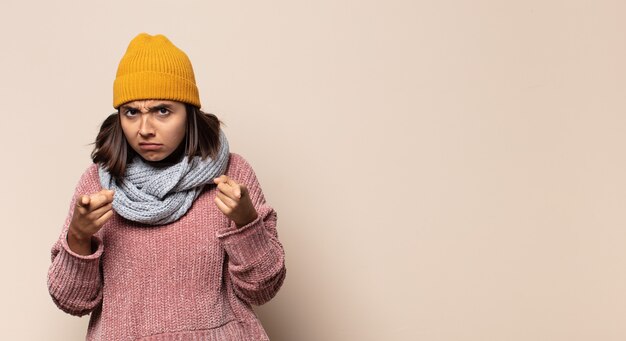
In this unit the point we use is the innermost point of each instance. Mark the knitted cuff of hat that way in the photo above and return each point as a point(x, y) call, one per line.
point(157, 196)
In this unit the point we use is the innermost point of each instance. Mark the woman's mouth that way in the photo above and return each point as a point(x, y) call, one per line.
point(150, 146)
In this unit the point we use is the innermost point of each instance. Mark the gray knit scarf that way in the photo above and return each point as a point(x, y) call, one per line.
point(157, 196)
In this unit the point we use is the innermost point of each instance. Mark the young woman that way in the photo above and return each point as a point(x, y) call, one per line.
point(168, 236)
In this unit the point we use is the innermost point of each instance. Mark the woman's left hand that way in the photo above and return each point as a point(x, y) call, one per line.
point(233, 199)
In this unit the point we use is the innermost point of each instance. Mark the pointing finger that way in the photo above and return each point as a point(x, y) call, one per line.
point(228, 190)
point(236, 188)
point(99, 199)
point(83, 201)
point(226, 200)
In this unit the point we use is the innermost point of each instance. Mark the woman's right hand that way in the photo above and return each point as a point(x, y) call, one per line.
point(90, 214)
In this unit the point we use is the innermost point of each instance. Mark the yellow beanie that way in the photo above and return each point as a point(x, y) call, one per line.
point(153, 68)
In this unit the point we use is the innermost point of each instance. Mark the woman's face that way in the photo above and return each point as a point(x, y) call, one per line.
point(154, 128)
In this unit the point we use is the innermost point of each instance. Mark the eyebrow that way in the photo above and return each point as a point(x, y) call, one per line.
point(156, 107)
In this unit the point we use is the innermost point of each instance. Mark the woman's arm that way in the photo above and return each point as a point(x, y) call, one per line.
point(256, 262)
point(74, 278)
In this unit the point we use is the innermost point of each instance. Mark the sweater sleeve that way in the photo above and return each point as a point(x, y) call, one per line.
point(74, 280)
point(256, 259)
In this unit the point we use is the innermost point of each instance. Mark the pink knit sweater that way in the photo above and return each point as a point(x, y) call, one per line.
point(193, 279)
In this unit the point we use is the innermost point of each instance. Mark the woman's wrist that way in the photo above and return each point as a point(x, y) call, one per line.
point(77, 236)
point(248, 221)
point(79, 243)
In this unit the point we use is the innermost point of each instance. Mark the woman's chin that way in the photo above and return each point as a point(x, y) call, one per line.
point(165, 156)
point(152, 157)
point(161, 159)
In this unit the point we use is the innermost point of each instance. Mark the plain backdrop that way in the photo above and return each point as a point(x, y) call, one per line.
point(441, 170)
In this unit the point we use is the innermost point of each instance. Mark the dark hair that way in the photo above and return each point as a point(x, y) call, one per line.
point(114, 153)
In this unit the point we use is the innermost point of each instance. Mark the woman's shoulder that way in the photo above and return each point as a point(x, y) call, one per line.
point(90, 178)
point(238, 166)
point(237, 162)
point(91, 172)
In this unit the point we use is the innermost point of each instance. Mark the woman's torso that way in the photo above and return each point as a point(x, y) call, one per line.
point(171, 281)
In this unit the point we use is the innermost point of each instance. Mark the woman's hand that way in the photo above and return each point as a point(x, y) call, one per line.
point(90, 213)
point(234, 201)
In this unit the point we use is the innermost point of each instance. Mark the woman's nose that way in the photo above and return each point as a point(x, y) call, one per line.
point(145, 127)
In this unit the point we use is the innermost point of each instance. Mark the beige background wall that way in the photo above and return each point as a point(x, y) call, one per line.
point(442, 170)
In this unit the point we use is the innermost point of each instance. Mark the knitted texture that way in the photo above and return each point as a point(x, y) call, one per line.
point(193, 279)
point(154, 68)
point(156, 196)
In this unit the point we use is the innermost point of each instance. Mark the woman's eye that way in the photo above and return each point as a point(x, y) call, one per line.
point(130, 112)
point(163, 111)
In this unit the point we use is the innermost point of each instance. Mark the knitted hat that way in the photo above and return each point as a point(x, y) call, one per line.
point(153, 68)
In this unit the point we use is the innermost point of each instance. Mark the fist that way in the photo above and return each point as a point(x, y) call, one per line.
point(91, 212)
point(233, 199)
